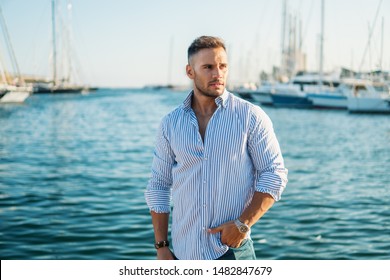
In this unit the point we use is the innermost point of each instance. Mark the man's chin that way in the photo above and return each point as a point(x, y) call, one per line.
point(216, 91)
point(213, 92)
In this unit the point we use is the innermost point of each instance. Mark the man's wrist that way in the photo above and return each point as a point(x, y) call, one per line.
point(161, 244)
point(242, 227)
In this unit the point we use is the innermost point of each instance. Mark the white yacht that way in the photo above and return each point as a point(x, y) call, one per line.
point(368, 97)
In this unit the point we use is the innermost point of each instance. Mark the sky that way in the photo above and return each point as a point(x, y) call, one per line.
point(132, 43)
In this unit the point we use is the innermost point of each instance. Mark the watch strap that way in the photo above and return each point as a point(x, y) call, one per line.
point(160, 244)
point(244, 228)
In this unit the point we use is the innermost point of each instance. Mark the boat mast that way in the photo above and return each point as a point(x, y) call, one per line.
point(170, 62)
point(53, 18)
point(321, 70)
point(283, 38)
point(381, 56)
point(67, 61)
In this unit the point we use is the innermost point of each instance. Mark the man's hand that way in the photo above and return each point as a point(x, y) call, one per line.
point(230, 235)
point(164, 254)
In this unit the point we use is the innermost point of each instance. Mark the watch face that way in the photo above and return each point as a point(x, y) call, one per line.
point(243, 229)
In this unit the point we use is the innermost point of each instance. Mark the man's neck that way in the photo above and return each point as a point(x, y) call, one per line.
point(202, 104)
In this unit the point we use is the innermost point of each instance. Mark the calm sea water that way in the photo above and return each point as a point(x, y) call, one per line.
point(73, 169)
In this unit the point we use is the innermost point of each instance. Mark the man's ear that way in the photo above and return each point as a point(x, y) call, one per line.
point(189, 71)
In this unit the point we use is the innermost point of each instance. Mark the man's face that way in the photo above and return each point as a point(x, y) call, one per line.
point(208, 68)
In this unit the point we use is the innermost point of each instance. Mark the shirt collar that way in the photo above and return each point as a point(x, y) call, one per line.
point(223, 99)
point(220, 100)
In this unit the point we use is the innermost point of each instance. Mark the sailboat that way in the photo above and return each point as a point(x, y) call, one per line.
point(294, 94)
point(12, 90)
point(372, 95)
point(57, 84)
point(14, 94)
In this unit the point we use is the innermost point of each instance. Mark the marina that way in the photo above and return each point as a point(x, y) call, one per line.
point(292, 86)
point(76, 155)
point(15, 88)
point(353, 95)
point(72, 179)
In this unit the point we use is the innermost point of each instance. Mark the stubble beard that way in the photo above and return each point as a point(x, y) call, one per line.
point(206, 92)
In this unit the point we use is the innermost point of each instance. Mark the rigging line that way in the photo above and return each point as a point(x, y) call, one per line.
point(307, 24)
point(79, 40)
point(258, 36)
point(10, 47)
point(369, 36)
point(31, 57)
point(255, 43)
point(376, 48)
point(259, 25)
point(84, 64)
point(3, 71)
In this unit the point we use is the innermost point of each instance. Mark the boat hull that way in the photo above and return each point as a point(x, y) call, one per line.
point(368, 105)
point(14, 97)
point(291, 101)
point(47, 89)
point(261, 97)
point(328, 101)
point(245, 95)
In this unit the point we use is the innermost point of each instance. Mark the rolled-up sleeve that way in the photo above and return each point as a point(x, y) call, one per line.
point(264, 149)
point(158, 191)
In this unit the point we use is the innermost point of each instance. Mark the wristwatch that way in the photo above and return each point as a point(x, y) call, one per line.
point(243, 228)
point(160, 244)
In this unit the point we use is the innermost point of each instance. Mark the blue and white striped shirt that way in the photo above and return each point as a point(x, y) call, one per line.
point(212, 182)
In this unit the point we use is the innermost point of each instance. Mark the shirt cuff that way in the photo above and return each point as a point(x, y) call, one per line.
point(160, 209)
point(275, 194)
point(272, 183)
point(158, 200)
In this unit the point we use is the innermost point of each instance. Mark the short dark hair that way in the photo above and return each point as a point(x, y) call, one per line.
point(204, 42)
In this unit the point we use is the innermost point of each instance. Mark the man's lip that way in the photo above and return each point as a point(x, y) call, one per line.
point(216, 84)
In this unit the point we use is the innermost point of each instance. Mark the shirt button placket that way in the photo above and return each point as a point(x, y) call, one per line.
point(206, 182)
point(204, 198)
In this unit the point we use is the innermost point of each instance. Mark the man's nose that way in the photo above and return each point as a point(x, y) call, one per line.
point(218, 72)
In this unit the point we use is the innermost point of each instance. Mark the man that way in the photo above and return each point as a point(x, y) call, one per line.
point(218, 159)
